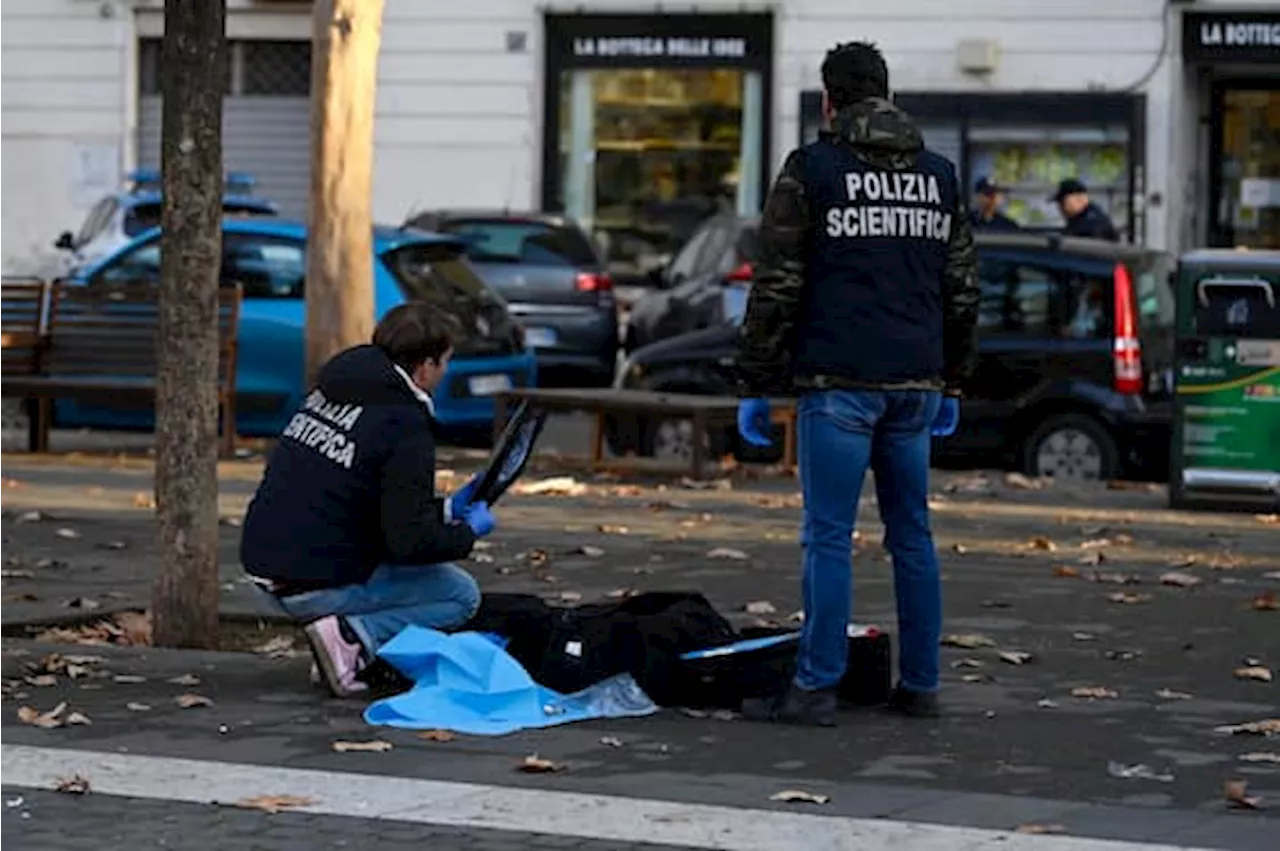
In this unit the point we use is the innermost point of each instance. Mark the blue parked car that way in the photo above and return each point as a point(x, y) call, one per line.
point(267, 257)
point(116, 219)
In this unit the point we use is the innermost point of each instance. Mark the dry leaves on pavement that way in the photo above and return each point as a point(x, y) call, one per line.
point(279, 647)
point(1095, 692)
point(1021, 482)
point(1237, 794)
point(275, 803)
point(1261, 756)
point(375, 746)
point(55, 717)
point(1127, 598)
point(138, 707)
point(727, 553)
point(1137, 772)
point(184, 680)
point(799, 796)
point(759, 607)
point(1170, 694)
point(533, 764)
point(1267, 519)
point(437, 736)
point(613, 529)
point(1179, 579)
point(622, 593)
point(554, 486)
point(1264, 727)
point(67, 533)
point(590, 551)
point(1015, 657)
point(966, 642)
point(1040, 542)
point(192, 701)
point(1039, 829)
point(1266, 602)
point(74, 785)
point(1258, 673)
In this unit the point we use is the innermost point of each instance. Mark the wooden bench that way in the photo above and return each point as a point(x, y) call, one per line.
point(705, 413)
point(24, 312)
point(98, 344)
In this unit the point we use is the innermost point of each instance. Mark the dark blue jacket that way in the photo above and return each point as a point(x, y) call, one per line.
point(867, 271)
point(872, 310)
point(1093, 223)
point(351, 483)
point(998, 223)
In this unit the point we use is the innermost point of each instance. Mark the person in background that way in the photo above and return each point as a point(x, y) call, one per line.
point(1082, 217)
point(865, 300)
point(988, 204)
point(345, 531)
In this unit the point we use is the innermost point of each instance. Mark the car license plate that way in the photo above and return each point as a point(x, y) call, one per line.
point(487, 385)
point(540, 338)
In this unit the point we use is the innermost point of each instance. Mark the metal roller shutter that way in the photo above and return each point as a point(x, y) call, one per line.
point(266, 117)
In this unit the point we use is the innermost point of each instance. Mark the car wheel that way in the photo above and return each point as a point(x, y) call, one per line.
point(1070, 447)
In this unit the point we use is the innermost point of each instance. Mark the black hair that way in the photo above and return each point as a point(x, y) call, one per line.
point(854, 71)
point(415, 332)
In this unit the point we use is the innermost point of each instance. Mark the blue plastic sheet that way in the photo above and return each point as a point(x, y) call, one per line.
point(465, 682)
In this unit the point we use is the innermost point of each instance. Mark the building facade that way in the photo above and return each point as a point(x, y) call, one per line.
point(638, 117)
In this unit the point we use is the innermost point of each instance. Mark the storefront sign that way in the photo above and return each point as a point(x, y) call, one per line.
point(1231, 36)
point(660, 40)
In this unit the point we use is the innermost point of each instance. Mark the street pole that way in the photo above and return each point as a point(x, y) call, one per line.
point(340, 306)
point(184, 599)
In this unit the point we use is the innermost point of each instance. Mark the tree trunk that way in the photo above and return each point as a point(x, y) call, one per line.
point(344, 72)
point(185, 595)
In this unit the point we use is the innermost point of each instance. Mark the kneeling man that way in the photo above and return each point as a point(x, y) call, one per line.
point(346, 531)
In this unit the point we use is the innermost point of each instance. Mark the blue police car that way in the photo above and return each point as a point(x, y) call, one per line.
point(116, 219)
point(267, 257)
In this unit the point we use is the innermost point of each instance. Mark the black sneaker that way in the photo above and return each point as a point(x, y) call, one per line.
point(794, 706)
point(916, 704)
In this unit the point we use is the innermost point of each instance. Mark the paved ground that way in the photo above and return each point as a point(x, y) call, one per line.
point(1020, 571)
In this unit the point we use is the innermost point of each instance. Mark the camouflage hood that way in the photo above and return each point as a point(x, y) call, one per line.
point(883, 135)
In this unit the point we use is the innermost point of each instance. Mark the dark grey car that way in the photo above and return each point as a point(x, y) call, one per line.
point(553, 280)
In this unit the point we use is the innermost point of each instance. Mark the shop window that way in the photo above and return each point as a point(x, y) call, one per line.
point(1248, 208)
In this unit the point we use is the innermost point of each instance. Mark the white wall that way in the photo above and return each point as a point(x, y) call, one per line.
point(63, 88)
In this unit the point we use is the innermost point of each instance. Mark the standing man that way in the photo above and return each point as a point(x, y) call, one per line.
point(988, 207)
point(865, 301)
point(1082, 216)
point(345, 531)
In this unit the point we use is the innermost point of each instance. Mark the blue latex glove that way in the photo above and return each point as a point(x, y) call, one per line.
point(461, 498)
point(944, 424)
point(480, 519)
point(753, 422)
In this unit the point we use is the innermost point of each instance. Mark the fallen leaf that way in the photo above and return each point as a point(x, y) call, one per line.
point(1128, 599)
point(375, 746)
point(41, 681)
point(1136, 772)
point(1123, 655)
point(1259, 756)
point(536, 558)
point(67, 533)
point(436, 736)
point(726, 552)
point(1046, 703)
point(192, 701)
point(799, 796)
point(1096, 543)
point(1018, 481)
point(1184, 561)
point(1179, 579)
point(133, 629)
point(1064, 572)
point(1040, 542)
point(46, 720)
point(1083, 636)
point(611, 741)
point(590, 551)
point(77, 718)
point(622, 593)
point(705, 485)
point(1015, 657)
point(977, 678)
point(1267, 519)
point(1266, 602)
point(280, 646)
point(967, 642)
point(75, 785)
point(959, 549)
point(611, 529)
point(6, 573)
point(1095, 692)
point(185, 680)
point(759, 607)
point(554, 486)
point(275, 803)
point(81, 603)
point(113, 545)
point(967, 663)
point(1254, 672)
point(1039, 829)
point(142, 499)
point(1265, 727)
point(1170, 694)
point(29, 517)
point(1115, 578)
point(138, 707)
point(1237, 795)
point(533, 764)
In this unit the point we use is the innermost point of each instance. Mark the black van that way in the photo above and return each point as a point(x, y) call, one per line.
point(1074, 375)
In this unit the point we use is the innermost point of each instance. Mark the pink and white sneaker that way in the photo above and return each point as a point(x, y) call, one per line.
point(338, 659)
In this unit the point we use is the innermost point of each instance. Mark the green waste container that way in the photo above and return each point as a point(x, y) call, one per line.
point(1226, 422)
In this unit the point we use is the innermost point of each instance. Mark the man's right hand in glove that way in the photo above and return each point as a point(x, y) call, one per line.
point(479, 518)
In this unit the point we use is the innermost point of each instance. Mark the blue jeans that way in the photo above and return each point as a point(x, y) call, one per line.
point(439, 596)
point(841, 434)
